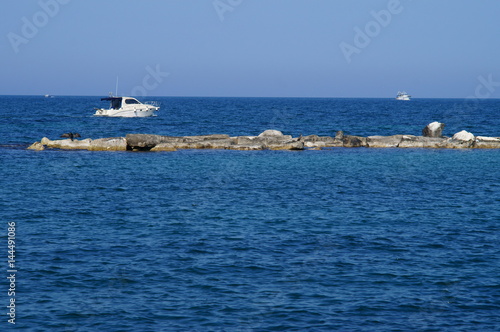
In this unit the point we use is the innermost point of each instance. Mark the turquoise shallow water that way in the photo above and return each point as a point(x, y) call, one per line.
point(333, 240)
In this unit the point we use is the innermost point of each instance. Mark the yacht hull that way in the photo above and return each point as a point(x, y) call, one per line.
point(127, 113)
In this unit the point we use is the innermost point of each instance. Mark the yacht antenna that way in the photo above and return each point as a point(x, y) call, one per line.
point(116, 93)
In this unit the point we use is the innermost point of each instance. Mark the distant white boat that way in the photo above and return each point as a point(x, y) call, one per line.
point(402, 96)
point(127, 107)
point(49, 96)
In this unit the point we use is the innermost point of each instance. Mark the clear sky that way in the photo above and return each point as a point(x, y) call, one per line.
point(282, 48)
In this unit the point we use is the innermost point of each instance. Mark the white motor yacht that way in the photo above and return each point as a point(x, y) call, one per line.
point(402, 96)
point(127, 107)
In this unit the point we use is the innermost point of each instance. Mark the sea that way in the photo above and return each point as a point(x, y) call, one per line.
point(339, 239)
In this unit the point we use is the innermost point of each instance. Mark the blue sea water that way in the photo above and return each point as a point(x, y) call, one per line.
point(217, 240)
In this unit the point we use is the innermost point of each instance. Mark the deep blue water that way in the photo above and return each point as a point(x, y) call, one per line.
point(214, 240)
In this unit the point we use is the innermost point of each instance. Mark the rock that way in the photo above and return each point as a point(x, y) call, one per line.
point(461, 140)
point(339, 134)
point(286, 146)
point(246, 147)
point(456, 144)
point(433, 129)
point(384, 141)
point(410, 141)
point(245, 139)
point(147, 142)
point(463, 136)
point(205, 138)
point(164, 147)
point(354, 141)
point(36, 146)
point(271, 140)
point(271, 133)
point(109, 144)
point(315, 141)
point(483, 142)
point(214, 144)
point(67, 144)
point(265, 140)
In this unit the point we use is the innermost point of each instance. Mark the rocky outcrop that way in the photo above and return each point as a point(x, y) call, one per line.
point(269, 140)
point(315, 141)
point(410, 141)
point(384, 141)
point(354, 141)
point(108, 144)
point(37, 146)
point(433, 129)
point(148, 142)
point(487, 142)
point(66, 144)
point(464, 136)
point(461, 140)
point(271, 133)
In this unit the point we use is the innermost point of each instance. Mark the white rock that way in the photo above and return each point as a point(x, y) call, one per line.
point(271, 133)
point(434, 125)
point(463, 136)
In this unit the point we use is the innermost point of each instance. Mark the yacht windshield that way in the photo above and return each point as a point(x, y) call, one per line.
point(116, 103)
point(131, 101)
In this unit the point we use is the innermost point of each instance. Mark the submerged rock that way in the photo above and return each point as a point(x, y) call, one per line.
point(36, 146)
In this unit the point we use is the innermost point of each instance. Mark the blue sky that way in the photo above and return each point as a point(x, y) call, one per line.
point(281, 48)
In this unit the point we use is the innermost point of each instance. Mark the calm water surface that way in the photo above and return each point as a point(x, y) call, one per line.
point(202, 240)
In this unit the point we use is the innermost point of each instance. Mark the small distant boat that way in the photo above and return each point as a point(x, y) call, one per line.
point(402, 96)
point(127, 107)
point(49, 96)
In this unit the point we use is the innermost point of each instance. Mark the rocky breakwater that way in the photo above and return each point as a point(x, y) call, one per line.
point(275, 140)
point(432, 138)
point(268, 140)
point(101, 144)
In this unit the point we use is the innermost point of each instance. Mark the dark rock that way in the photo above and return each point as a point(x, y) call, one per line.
point(354, 141)
point(433, 129)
